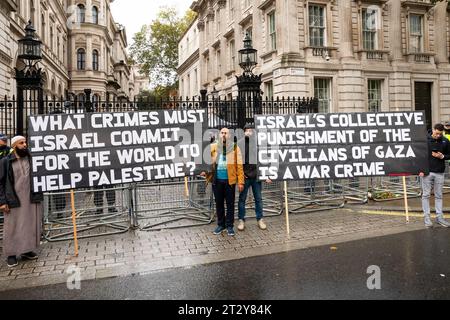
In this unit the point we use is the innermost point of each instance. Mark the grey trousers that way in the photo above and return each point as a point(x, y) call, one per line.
point(436, 179)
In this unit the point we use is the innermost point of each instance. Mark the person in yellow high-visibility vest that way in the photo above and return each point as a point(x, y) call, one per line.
point(447, 130)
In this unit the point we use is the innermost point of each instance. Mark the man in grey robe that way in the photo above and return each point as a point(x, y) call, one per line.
point(21, 207)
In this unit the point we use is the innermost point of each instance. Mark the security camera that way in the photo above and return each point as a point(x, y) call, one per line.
point(327, 58)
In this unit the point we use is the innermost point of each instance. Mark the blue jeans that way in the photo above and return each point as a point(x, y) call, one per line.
point(257, 188)
point(224, 193)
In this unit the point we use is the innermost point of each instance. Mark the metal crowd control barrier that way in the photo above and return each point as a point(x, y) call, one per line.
point(315, 195)
point(354, 190)
point(391, 188)
point(165, 205)
point(96, 216)
point(272, 198)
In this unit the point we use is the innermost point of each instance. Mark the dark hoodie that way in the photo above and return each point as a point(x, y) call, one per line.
point(441, 145)
point(248, 147)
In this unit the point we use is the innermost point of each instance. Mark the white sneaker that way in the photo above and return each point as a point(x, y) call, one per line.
point(262, 225)
point(241, 225)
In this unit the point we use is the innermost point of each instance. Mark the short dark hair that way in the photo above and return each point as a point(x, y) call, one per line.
point(439, 127)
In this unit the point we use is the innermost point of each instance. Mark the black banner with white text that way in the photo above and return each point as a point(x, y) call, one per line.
point(341, 145)
point(88, 150)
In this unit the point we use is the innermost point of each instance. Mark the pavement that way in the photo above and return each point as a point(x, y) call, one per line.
point(139, 252)
point(409, 265)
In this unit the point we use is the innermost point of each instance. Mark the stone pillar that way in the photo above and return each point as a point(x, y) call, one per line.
point(346, 43)
point(288, 17)
point(395, 30)
point(88, 52)
point(440, 14)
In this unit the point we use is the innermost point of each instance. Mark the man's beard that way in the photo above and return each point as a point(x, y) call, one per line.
point(23, 152)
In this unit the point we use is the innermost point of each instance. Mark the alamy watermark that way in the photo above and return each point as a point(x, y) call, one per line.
point(74, 279)
point(374, 280)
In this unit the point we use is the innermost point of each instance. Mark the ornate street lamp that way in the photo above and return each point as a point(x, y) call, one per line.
point(249, 85)
point(29, 78)
point(30, 48)
point(248, 56)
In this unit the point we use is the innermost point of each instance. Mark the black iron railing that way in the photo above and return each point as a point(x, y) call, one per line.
point(221, 112)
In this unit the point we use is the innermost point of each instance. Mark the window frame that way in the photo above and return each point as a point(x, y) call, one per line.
point(95, 60)
point(272, 34)
point(323, 27)
point(81, 59)
point(95, 13)
point(374, 32)
point(421, 48)
point(316, 89)
point(378, 96)
point(81, 13)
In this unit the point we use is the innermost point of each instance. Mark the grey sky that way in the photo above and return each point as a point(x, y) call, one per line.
point(133, 14)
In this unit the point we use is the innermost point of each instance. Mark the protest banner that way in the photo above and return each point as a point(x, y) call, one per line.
point(341, 145)
point(73, 151)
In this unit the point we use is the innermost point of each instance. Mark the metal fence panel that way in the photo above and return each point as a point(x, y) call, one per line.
point(391, 188)
point(166, 205)
point(99, 212)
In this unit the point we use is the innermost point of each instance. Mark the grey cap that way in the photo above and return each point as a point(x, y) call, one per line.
point(3, 137)
point(447, 123)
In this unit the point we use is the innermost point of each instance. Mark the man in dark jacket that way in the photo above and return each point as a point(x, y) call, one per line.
point(248, 144)
point(22, 207)
point(4, 149)
point(439, 152)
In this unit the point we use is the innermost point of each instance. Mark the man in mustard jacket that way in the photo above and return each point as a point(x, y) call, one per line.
point(227, 171)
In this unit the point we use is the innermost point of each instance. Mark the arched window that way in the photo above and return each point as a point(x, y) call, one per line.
point(94, 15)
point(81, 13)
point(81, 59)
point(95, 60)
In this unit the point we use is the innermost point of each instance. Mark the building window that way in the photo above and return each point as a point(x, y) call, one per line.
point(232, 49)
point(52, 35)
point(231, 9)
point(316, 26)
point(322, 93)
point(374, 95)
point(415, 33)
point(268, 89)
point(218, 25)
point(95, 15)
point(95, 60)
point(81, 97)
point(81, 59)
point(249, 31)
point(272, 31)
point(218, 64)
point(43, 28)
point(81, 13)
point(369, 29)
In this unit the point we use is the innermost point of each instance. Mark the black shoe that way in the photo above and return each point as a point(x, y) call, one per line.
point(30, 256)
point(12, 261)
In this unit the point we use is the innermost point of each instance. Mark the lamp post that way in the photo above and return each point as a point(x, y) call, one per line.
point(249, 84)
point(29, 78)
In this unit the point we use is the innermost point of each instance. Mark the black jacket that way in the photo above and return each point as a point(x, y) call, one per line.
point(8, 194)
point(441, 145)
point(4, 151)
point(249, 155)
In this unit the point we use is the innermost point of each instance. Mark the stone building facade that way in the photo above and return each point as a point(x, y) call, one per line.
point(83, 47)
point(354, 55)
point(189, 62)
